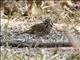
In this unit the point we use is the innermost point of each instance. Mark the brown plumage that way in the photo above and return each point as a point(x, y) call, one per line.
point(40, 29)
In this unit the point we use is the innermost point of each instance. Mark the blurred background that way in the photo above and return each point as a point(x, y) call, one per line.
point(19, 15)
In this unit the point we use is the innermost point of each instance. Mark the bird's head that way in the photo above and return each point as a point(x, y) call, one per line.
point(48, 22)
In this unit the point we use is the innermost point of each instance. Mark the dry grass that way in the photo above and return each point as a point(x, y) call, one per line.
point(19, 16)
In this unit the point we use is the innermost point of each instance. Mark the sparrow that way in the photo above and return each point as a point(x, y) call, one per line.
point(40, 29)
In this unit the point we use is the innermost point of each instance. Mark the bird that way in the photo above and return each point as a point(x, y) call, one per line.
point(40, 29)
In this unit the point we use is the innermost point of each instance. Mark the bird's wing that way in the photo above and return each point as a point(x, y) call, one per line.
point(38, 27)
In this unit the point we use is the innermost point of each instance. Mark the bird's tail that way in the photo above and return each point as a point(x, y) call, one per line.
point(26, 32)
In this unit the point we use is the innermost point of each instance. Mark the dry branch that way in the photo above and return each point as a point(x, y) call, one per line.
point(73, 40)
point(34, 44)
